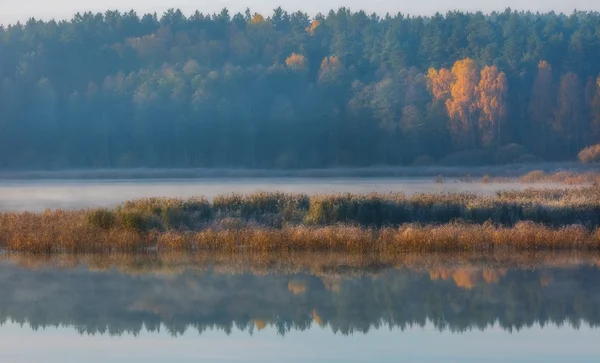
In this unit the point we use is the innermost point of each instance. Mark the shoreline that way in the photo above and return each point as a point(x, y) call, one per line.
point(509, 171)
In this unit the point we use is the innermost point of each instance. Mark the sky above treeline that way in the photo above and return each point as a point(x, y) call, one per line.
point(21, 10)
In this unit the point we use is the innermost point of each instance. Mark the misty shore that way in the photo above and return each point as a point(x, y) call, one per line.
point(508, 171)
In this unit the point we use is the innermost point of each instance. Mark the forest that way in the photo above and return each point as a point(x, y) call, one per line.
point(285, 90)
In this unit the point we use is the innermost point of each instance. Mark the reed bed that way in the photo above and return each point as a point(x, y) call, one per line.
point(540, 176)
point(524, 236)
point(533, 219)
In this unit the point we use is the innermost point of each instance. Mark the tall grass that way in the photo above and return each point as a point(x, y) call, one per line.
point(389, 222)
point(561, 177)
point(539, 176)
point(411, 238)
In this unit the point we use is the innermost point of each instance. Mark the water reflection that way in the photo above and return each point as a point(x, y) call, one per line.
point(343, 294)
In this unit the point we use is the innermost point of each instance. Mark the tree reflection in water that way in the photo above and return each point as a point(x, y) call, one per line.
point(119, 294)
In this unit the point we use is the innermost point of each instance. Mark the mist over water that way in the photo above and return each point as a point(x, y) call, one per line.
point(73, 194)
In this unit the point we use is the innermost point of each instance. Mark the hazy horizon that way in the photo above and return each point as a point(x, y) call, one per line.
point(13, 12)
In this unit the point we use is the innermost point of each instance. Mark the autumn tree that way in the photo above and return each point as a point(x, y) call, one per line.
point(296, 62)
point(440, 83)
point(331, 70)
point(314, 25)
point(462, 104)
point(257, 19)
point(491, 100)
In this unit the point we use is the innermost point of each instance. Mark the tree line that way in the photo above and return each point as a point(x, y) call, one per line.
point(290, 91)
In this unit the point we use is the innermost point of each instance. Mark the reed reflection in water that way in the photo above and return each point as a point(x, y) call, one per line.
point(131, 294)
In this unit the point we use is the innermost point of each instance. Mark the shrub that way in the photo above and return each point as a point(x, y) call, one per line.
point(101, 218)
point(533, 176)
point(590, 154)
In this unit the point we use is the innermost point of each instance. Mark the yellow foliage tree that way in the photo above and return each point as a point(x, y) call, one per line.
point(331, 69)
point(313, 27)
point(296, 62)
point(491, 100)
point(257, 19)
point(462, 105)
point(439, 83)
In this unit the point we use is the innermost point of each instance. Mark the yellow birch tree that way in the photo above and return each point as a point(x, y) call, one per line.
point(491, 100)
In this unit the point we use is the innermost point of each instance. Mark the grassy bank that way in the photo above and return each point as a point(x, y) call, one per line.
point(543, 219)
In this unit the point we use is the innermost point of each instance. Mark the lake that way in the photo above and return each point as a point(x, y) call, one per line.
point(300, 308)
point(37, 195)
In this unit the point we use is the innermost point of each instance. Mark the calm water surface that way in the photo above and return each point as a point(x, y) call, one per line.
point(40, 195)
point(305, 308)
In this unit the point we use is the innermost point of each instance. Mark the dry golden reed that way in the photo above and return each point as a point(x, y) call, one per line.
point(590, 154)
point(534, 219)
point(561, 177)
point(524, 236)
point(541, 177)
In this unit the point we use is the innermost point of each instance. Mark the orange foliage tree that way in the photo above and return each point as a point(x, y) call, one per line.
point(257, 19)
point(312, 29)
point(296, 62)
point(331, 69)
point(491, 99)
point(439, 83)
point(462, 105)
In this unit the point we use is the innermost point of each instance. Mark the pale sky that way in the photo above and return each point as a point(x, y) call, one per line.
point(12, 11)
